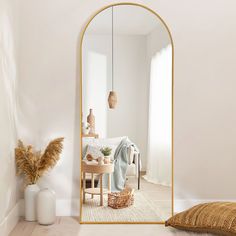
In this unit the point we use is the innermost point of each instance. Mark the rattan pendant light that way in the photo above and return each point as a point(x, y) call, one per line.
point(112, 98)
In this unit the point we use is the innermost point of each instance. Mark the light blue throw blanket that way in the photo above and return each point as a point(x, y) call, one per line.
point(121, 160)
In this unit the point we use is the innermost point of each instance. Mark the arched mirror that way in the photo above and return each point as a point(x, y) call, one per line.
point(127, 117)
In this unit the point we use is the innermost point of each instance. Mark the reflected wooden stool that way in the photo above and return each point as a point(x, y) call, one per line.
point(95, 168)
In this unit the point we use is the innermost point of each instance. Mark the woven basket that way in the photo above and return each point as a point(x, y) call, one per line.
point(118, 200)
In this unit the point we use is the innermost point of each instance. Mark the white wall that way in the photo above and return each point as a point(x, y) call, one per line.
point(156, 41)
point(47, 90)
point(8, 75)
point(131, 82)
point(204, 137)
point(96, 80)
point(129, 118)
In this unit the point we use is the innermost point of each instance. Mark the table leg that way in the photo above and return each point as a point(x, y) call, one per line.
point(101, 191)
point(139, 174)
point(84, 186)
point(109, 182)
point(92, 183)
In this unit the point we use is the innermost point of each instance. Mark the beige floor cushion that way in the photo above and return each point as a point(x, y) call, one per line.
point(216, 217)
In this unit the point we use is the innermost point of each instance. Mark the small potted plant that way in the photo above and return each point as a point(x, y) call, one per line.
point(32, 165)
point(106, 151)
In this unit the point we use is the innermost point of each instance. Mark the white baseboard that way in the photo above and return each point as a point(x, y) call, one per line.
point(71, 207)
point(10, 221)
point(67, 207)
point(64, 207)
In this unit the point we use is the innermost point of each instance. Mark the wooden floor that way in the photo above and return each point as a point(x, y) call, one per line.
point(69, 226)
point(63, 226)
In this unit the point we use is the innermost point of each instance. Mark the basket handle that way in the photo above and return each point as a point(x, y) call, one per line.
point(131, 192)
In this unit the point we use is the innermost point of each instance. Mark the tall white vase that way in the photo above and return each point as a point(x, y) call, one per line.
point(46, 207)
point(30, 193)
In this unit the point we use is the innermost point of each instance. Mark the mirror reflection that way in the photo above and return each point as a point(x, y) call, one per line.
point(126, 117)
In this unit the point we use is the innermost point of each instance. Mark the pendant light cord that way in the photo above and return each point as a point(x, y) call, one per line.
point(112, 47)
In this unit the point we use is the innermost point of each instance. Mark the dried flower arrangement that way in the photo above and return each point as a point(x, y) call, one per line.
point(32, 164)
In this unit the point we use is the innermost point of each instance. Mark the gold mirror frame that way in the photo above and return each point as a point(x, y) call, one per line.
point(172, 130)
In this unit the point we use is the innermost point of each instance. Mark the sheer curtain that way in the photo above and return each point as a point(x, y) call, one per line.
point(160, 119)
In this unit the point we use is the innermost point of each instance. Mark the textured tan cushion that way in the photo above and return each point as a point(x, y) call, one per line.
point(216, 217)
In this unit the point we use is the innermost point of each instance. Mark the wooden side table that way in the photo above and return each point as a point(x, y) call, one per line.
point(90, 135)
point(95, 168)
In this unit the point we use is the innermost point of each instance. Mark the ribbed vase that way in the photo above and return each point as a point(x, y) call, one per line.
point(91, 121)
point(112, 99)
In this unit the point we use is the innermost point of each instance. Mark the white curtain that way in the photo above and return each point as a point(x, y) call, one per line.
point(160, 119)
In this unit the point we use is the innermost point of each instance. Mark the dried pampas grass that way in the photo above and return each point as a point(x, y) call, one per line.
point(32, 164)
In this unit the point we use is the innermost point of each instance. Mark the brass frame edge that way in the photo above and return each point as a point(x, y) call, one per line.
point(81, 95)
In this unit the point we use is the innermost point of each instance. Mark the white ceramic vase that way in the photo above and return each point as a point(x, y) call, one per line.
point(46, 207)
point(30, 194)
point(107, 159)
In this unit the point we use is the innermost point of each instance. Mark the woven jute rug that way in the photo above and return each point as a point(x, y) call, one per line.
point(141, 211)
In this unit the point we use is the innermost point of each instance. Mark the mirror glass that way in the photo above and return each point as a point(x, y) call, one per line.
point(126, 125)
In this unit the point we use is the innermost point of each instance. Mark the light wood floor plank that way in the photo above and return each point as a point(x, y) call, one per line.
point(69, 226)
point(23, 228)
point(64, 226)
